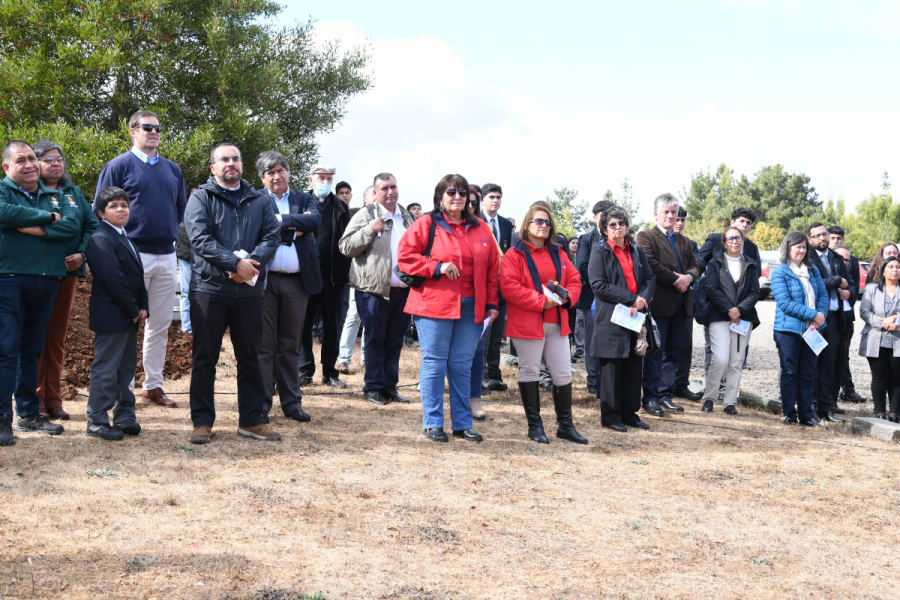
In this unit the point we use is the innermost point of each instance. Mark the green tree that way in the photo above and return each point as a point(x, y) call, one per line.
point(783, 199)
point(710, 200)
point(876, 220)
point(214, 70)
point(625, 199)
point(570, 216)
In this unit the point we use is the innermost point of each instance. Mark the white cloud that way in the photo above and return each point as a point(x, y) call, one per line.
point(426, 116)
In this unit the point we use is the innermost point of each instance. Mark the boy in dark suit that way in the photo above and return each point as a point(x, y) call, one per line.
point(118, 304)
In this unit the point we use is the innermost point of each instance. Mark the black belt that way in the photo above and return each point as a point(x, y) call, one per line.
point(399, 287)
point(297, 274)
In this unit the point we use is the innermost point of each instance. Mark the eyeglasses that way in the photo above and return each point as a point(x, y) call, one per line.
point(542, 222)
point(49, 160)
point(460, 193)
point(228, 159)
point(888, 253)
point(734, 238)
point(819, 236)
point(617, 224)
point(846, 261)
point(148, 128)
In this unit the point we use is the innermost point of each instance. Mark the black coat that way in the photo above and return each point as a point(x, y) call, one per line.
point(608, 284)
point(305, 245)
point(340, 264)
point(118, 294)
point(723, 295)
point(713, 246)
point(217, 227)
point(586, 243)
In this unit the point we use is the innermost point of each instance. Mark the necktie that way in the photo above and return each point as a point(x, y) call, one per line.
point(128, 242)
point(494, 228)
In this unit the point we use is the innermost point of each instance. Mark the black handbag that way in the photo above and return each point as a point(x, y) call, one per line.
point(649, 340)
point(415, 281)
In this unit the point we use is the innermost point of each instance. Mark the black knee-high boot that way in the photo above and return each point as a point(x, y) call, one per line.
point(531, 400)
point(562, 400)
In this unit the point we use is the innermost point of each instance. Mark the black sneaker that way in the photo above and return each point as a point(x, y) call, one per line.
point(128, 427)
point(6, 432)
point(39, 424)
point(104, 432)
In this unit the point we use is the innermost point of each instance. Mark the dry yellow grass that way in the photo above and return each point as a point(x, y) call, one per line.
point(358, 504)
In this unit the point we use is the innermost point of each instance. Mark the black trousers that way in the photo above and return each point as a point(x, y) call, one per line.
point(210, 316)
point(620, 388)
point(685, 355)
point(279, 350)
point(847, 379)
point(830, 366)
point(385, 324)
point(492, 348)
point(885, 379)
point(329, 300)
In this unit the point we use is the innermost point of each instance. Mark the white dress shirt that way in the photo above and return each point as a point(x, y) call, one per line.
point(120, 231)
point(397, 231)
point(286, 260)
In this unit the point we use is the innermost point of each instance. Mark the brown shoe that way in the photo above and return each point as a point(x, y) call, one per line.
point(342, 367)
point(260, 432)
point(57, 413)
point(157, 396)
point(201, 434)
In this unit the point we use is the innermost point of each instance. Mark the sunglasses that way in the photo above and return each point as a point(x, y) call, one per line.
point(617, 224)
point(148, 128)
point(460, 193)
point(734, 238)
point(473, 202)
point(49, 160)
point(228, 159)
point(542, 222)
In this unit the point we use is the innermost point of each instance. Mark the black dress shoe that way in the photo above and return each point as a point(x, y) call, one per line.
point(578, 354)
point(652, 408)
point(838, 410)
point(791, 419)
point(707, 406)
point(128, 427)
point(810, 423)
point(637, 424)
point(683, 392)
point(375, 397)
point(104, 432)
point(592, 389)
point(830, 417)
point(436, 435)
point(392, 394)
point(298, 414)
point(852, 397)
point(494, 385)
point(881, 416)
point(334, 382)
point(470, 435)
point(615, 427)
point(669, 405)
point(894, 418)
point(305, 379)
point(731, 410)
point(265, 418)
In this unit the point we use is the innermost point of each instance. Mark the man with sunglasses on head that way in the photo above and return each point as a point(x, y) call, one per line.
point(502, 229)
point(156, 188)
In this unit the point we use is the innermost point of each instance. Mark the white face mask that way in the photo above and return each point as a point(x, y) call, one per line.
point(323, 189)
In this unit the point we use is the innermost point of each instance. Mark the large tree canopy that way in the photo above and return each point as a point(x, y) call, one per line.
point(214, 70)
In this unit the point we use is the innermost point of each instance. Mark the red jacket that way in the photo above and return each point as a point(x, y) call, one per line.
point(524, 304)
point(439, 297)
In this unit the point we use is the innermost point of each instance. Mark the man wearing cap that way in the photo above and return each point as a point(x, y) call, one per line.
point(335, 270)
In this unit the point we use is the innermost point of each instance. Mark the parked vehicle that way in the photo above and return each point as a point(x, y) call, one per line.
point(769, 259)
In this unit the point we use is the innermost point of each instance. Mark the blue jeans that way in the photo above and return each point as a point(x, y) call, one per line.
point(660, 368)
point(478, 368)
point(798, 375)
point(448, 348)
point(26, 304)
point(184, 278)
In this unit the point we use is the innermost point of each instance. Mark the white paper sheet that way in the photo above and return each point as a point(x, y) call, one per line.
point(242, 254)
point(622, 317)
point(487, 323)
point(815, 340)
point(740, 328)
point(552, 295)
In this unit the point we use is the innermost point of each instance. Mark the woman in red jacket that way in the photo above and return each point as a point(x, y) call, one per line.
point(538, 325)
point(449, 308)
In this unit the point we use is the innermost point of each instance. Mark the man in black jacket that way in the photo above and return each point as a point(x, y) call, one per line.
point(742, 218)
point(224, 217)
point(586, 242)
point(685, 355)
point(293, 275)
point(335, 272)
point(501, 227)
point(836, 243)
point(830, 366)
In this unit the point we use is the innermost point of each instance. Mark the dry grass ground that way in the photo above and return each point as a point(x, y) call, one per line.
point(358, 504)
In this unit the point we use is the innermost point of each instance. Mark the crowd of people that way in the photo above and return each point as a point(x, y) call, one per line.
point(267, 263)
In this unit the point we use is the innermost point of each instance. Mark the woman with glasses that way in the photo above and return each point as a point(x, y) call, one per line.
point(801, 303)
point(886, 251)
point(458, 292)
point(537, 323)
point(732, 288)
point(880, 342)
point(619, 274)
point(50, 366)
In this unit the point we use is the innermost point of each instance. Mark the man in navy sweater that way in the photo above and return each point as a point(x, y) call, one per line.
point(156, 189)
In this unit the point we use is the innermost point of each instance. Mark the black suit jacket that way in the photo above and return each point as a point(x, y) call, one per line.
point(713, 246)
point(838, 271)
point(586, 242)
point(305, 245)
point(118, 294)
point(853, 272)
point(505, 231)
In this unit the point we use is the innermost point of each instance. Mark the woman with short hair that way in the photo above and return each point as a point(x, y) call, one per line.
point(537, 324)
point(458, 292)
point(801, 302)
point(50, 365)
point(880, 341)
point(732, 288)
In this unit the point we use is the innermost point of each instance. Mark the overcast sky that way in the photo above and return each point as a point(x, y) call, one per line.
point(594, 92)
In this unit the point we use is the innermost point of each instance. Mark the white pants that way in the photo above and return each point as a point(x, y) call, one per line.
point(159, 277)
point(555, 350)
point(727, 358)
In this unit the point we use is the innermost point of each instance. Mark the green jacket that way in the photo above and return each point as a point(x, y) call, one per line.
point(25, 254)
point(81, 209)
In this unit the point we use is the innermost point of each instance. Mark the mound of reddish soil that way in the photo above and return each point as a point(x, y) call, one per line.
point(80, 348)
